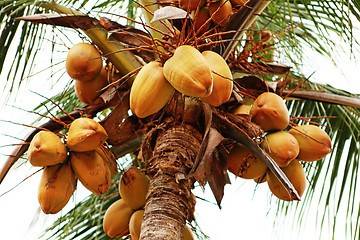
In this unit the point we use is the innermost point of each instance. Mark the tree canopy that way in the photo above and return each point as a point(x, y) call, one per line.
point(325, 27)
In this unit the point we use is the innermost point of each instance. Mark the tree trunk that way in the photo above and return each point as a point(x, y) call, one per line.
point(169, 202)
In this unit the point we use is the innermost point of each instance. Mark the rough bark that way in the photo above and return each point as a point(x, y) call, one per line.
point(169, 202)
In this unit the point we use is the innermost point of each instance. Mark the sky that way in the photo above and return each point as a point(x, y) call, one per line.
point(247, 210)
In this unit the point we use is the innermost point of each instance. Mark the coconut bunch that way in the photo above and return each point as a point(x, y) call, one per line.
point(203, 75)
point(58, 181)
point(219, 12)
point(307, 143)
point(126, 214)
point(82, 158)
point(84, 64)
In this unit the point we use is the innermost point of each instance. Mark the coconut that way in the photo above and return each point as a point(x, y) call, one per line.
point(270, 112)
point(85, 134)
point(46, 149)
point(188, 72)
point(241, 110)
point(261, 179)
point(222, 79)
point(83, 62)
point(57, 185)
point(190, 5)
point(150, 90)
point(109, 159)
point(244, 163)
point(314, 142)
point(296, 175)
point(281, 146)
point(89, 91)
point(133, 187)
point(135, 224)
point(117, 218)
point(187, 234)
point(92, 171)
point(201, 19)
point(220, 12)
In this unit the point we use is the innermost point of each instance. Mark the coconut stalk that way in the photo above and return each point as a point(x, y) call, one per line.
point(169, 201)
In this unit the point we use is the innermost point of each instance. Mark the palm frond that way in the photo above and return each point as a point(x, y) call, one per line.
point(309, 23)
point(65, 101)
point(21, 35)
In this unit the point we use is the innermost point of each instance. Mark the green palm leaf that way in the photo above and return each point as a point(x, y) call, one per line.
point(309, 23)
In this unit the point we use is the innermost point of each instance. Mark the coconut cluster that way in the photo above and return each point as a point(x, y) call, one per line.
point(125, 215)
point(84, 64)
point(306, 143)
point(81, 157)
point(204, 75)
point(219, 12)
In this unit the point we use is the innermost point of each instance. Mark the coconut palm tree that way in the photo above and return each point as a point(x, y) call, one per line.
point(183, 144)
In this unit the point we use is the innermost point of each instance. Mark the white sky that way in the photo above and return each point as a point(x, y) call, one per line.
point(245, 214)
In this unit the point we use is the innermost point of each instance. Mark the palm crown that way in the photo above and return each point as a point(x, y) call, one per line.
point(292, 25)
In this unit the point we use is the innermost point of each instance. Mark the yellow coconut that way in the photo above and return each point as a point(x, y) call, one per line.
point(243, 109)
point(296, 175)
point(244, 163)
point(222, 79)
point(109, 159)
point(89, 91)
point(57, 185)
point(270, 112)
point(83, 62)
point(92, 171)
point(133, 187)
point(46, 149)
point(150, 90)
point(220, 11)
point(189, 5)
point(281, 146)
point(85, 134)
point(236, 3)
point(117, 218)
point(135, 224)
point(314, 142)
point(187, 234)
point(188, 72)
point(200, 20)
point(261, 179)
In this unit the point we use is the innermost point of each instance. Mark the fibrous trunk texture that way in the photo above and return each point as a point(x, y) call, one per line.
point(170, 202)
